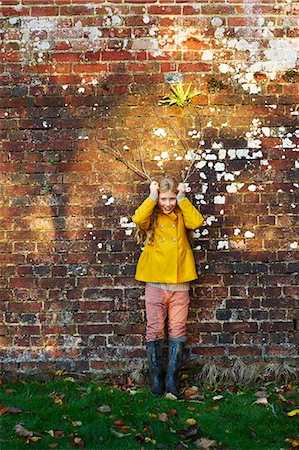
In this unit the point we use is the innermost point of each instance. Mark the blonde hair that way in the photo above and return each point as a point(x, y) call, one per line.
point(165, 184)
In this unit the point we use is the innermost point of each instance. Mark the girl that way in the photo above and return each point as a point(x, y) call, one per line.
point(166, 219)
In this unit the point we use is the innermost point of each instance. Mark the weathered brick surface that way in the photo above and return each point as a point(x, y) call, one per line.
point(75, 77)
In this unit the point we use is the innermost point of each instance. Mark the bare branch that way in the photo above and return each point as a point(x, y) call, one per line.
point(117, 154)
point(141, 147)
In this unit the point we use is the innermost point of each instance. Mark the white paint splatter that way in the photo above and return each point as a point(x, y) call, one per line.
point(232, 188)
point(160, 132)
point(110, 201)
point(222, 245)
point(210, 220)
point(252, 187)
point(207, 55)
point(216, 22)
point(219, 200)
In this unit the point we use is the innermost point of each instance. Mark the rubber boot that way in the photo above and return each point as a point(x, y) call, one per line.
point(175, 355)
point(155, 362)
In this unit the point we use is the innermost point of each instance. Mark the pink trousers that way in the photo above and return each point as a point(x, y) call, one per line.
point(157, 303)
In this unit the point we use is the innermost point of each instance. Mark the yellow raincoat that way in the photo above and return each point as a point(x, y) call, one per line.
point(170, 258)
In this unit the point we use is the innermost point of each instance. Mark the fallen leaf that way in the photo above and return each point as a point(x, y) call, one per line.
point(216, 398)
point(163, 417)
point(79, 442)
point(77, 423)
point(294, 441)
point(294, 412)
point(263, 401)
point(35, 439)
point(58, 397)
point(10, 391)
point(58, 433)
point(239, 393)
point(184, 377)
point(4, 410)
point(119, 434)
point(281, 398)
point(213, 408)
point(29, 435)
point(172, 412)
point(261, 394)
point(119, 423)
point(71, 379)
point(170, 396)
point(15, 410)
point(124, 428)
point(191, 421)
point(189, 392)
point(132, 392)
point(205, 443)
point(20, 430)
point(140, 437)
point(104, 408)
point(189, 432)
point(59, 373)
point(53, 445)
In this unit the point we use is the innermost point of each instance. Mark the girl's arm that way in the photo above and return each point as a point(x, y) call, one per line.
point(192, 217)
point(142, 215)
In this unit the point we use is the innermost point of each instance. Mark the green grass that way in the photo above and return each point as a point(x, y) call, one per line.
point(233, 421)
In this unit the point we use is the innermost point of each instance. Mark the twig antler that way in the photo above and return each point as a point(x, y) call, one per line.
point(117, 154)
point(142, 171)
point(188, 172)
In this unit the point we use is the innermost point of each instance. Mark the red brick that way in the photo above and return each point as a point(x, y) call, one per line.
point(244, 351)
point(208, 351)
point(161, 10)
point(44, 11)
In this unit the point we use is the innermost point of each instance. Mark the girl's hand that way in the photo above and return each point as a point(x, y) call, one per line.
point(154, 187)
point(181, 189)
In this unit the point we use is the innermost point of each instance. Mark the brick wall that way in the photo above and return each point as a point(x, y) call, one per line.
point(78, 76)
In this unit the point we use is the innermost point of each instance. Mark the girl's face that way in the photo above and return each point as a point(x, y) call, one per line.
point(167, 201)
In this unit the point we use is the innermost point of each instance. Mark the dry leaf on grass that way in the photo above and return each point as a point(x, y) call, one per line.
point(21, 431)
point(119, 434)
point(189, 432)
point(104, 408)
point(216, 398)
point(170, 396)
point(191, 421)
point(263, 401)
point(163, 417)
point(10, 410)
point(261, 394)
point(79, 443)
point(294, 412)
point(294, 441)
point(205, 443)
